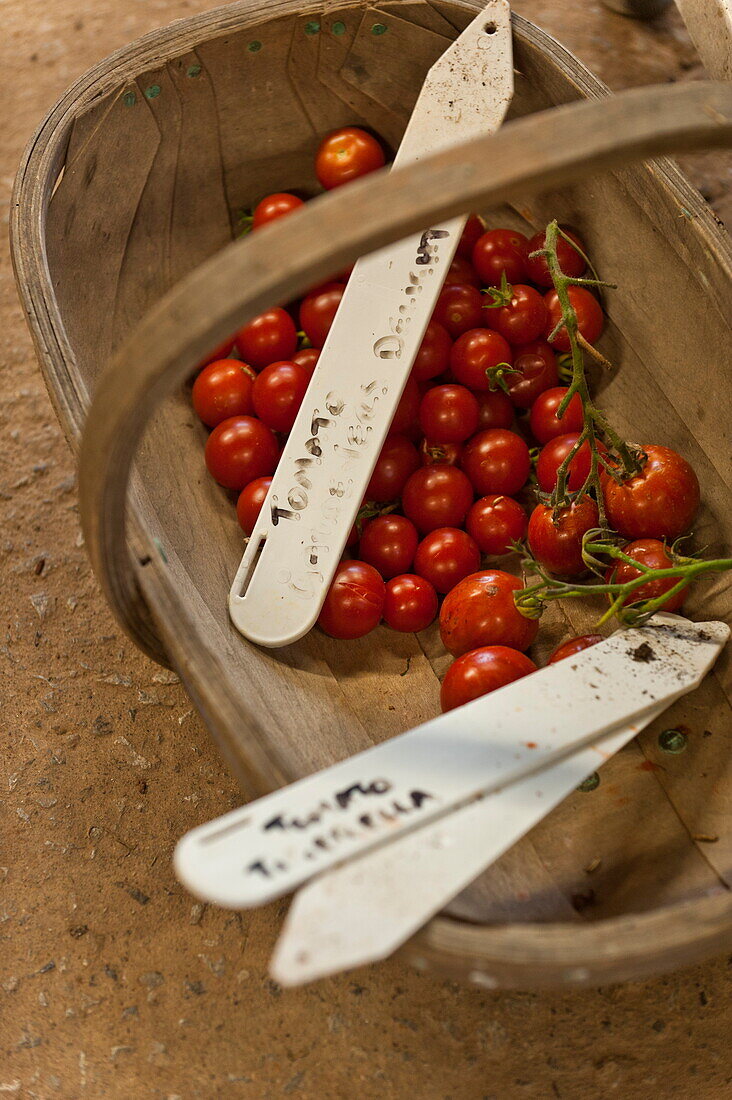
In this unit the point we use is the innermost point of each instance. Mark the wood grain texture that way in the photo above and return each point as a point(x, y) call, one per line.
point(185, 541)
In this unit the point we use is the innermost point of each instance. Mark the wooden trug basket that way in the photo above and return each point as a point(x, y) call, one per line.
point(132, 187)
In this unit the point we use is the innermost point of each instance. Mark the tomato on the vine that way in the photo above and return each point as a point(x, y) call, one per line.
point(499, 252)
point(406, 417)
point(494, 410)
point(535, 370)
point(278, 394)
point(346, 155)
point(239, 450)
point(570, 261)
point(654, 554)
point(481, 671)
point(590, 318)
point(223, 389)
point(389, 543)
point(557, 544)
point(440, 454)
point(448, 413)
point(318, 310)
point(475, 353)
point(574, 646)
point(354, 603)
point(396, 463)
point(223, 351)
point(495, 522)
point(445, 556)
point(544, 420)
point(410, 604)
point(437, 496)
point(462, 272)
point(269, 338)
point(481, 611)
point(433, 357)
point(660, 502)
point(497, 462)
point(307, 358)
point(459, 308)
point(471, 234)
point(250, 502)
point(519, 315)
point(553, 454)
point(273, 207)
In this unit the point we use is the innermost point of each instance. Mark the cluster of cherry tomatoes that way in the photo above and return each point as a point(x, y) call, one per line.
point(452, 483)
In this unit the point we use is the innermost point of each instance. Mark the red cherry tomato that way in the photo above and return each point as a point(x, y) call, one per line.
point(558, 545)
point(536, 367)
point(250, 502)
point(318, 310)
point(522, 318)
point(437, 496)
point(354, 603)
point(570, 260)
point(544, 421)
point(269, 338)
point(410, 604)
point(445, 556)
point(495, 522)
point(653, 553)
point(590, 318)
point(307, 358)
point(481, 671)
point(345, 155)
point(574, 646)
point(239, 450)
point(459, 308)
point(475, 353)
point(223, 389)
point(448, 413)
point(471, 234)
point(397, 461)
point(463, 273)
point(553, 454)
point(661, 502)
point(273, 207)
point(494, 410)
point(497, 462)
point(499, 251)
point(278, 394)
point(406, 417)
point(223, 351)
point(433, 357)
point(440, 454)
point(481, 611)
point(389, 543)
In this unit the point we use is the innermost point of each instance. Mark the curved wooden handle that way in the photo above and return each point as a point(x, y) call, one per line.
point(539, 152)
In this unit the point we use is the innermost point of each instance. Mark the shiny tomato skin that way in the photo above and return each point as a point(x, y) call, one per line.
point(497, 462)
point(498, 251)
point(250, 502)
point(223, 351)
point(345, 155)
point(437, 496)
point(273, 207)
point(355, 601)
point(239, 450)
point(543, 419)
point(570, 260)
point(269, 338)
point(558, 546)
point(396, 463)
point(495, 522)
point(536, 367)
point(471, 234)
point(439, 454)
point(481, 671)
point(494, 410)
point(433, 357)
point(448, 413)
point(523, 318)
point(552, 456)
point(307, 358)
point(459, 308)
point(475, 353)
point(590, 318)
point(462, 272)
point(318, 310)
point(574, 646)
point(445, 556)
point(481, 611)
point(410, 604)
point(389, 543)
point(223, 389)
point(661, 502)
point(406, 417)
point(278, 394)
point(653, 553)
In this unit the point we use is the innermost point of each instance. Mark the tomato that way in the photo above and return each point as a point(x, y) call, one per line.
point(223, 389)
point(397, 461)
point(481, 611)
point(437, 496)
point(406, 417)
point(495, 522)
point(389, 543)
point(544, 421)
point(440, 454)
point(574, 646)
point(445, 556)
point(661, 502)
point(318, 310)
point(433, 357)
point(459, 308)
point(269, 338)
point(471, 234)
point(250, 502)
point(448, 414)
point(590, 318)
point(239, 450)
point(481, 671)
point(536, 367)
point(653, 553)
point(462, 272)
point(345, 155)
point(307, 358)
point(558, 545)
point(499, 251)
point(494, 410)
point(570, 260)
point(475, 353)
point(410, 604)
point(497, 462)
point(278, 394)
point(553, 454)
point(223, 351)
point(354, 602)
point(273, 207)
point(522, 318)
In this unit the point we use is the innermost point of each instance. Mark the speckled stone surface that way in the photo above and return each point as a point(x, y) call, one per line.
point(113, 982)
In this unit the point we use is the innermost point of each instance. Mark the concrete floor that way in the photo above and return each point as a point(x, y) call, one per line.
point(114, 982)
